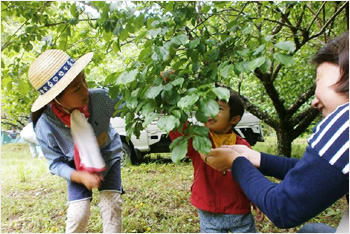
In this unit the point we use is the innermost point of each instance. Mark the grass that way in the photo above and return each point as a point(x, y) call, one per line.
point(156, 198)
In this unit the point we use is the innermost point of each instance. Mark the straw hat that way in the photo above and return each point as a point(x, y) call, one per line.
point(52, 72)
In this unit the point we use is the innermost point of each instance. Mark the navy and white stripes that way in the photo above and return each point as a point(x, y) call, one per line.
point(331, 138)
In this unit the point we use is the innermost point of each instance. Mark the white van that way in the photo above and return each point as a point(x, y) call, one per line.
point(153, 140)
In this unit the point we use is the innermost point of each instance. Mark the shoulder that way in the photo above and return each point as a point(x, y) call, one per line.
point(98, 92)
point(330, 139)
point(99, 96)
point(47, 121)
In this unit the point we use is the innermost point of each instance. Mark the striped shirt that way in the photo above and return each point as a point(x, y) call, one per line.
point(57, 143)
point(310, 184)
point(331, 138)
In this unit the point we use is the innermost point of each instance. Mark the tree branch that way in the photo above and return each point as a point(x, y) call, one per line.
point(272, 92)
point(301, 100)
point(301, 16)
point(263, 115)
point(346, 4)
point(316, 15)
point(303, 120)
point(275, 73)
point(65, 22)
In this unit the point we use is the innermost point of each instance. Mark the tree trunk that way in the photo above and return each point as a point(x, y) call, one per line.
point(284, 143)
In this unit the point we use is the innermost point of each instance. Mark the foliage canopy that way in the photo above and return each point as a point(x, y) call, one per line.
point(259, 49)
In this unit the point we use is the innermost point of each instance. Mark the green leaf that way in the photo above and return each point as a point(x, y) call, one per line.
point(73, 21)
point(259, 50)
point(176, 113)
point(201, 116)
point(28, 47)
point(154, 32)
point(168, 123)
point(139, 38)
point(107, 36)
point(243, 52)
point(149, 118)
point(232, 25)
point(153, 92)
point(130, 28)
point(194, 43)
point(269, 37)
point(202, 144)
point(23, 87)
point(111, 78)
point(187, 101)
point(73, 10)
point(222, 93)
point(213, 54)
point(144, 54)
point(195, 66)
point(207, 108)
point(139, 21)
point(124, 34)
point(178, 82)
point(284, 59)
point(266, 66)
point(180, 39)
point(5, 81)
point(179, 151)
point(286, 45)
point(248, 30)
point(127, 77)
point(255, 63)
point(212, 107)
point(116, 47)
point(226, 71)
point(148, 108)
point(241, 66)
point(132, 102)
point(200, 130)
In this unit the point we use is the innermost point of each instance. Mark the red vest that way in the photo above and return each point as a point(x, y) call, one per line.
point(212, 190)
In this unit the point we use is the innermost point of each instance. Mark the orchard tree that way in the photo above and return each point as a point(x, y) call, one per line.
point(173, 54)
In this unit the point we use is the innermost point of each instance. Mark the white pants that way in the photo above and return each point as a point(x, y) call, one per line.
point(78, 213)
point(35, 150)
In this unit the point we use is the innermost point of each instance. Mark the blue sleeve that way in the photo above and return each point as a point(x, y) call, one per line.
point(56, 147)
point(308, 188)
point(58, 163)
point(276, 166)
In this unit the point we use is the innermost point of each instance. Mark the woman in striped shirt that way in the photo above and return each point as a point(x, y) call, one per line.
point(321, 177)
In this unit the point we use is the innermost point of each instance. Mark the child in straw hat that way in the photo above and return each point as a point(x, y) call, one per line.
point(72, 125)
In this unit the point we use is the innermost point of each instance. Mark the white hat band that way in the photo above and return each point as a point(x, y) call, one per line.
point(55, 78)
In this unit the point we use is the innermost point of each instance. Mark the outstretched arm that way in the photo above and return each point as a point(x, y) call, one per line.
point(308, 189)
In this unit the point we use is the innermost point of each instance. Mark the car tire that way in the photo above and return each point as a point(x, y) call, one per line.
point(250, 136)
point(127, 154)
point(137, 157)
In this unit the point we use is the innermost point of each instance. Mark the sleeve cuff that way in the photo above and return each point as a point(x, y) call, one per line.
point(66, 172)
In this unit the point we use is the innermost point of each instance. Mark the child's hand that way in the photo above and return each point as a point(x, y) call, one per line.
point(259, 216)
point(89, 180)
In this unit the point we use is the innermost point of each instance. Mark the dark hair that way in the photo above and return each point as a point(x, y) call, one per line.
point(235, 102)
point(337, 52)
point(36, 115)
